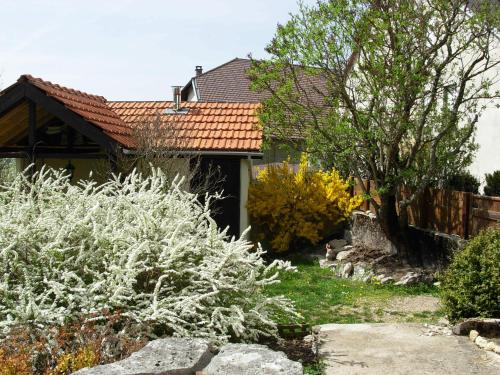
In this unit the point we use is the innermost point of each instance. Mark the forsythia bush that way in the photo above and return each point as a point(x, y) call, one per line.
point(285, 206)
point(138, 245)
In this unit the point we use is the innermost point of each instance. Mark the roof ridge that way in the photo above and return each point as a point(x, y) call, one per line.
point(221, 65)
point(35, 80)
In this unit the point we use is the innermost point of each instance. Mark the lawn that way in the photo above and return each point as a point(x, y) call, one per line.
point(322, 298)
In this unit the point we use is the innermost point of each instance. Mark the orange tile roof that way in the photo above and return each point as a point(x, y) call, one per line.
point(205, 127)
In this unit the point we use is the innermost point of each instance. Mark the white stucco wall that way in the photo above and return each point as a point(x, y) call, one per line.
point(487, 158)
point(245, 176)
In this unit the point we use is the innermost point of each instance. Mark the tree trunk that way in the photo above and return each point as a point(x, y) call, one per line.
point(396, 228)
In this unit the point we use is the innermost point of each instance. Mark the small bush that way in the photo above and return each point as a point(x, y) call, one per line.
point(139, 245)
point(464, 181)
point(492, 187)
point(286, 207)
point(471, 285)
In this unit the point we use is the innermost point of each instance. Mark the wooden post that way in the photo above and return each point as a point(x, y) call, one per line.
point(466, 214)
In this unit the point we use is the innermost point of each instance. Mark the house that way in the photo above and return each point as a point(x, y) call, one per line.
point(45, 123)
point(230, 82)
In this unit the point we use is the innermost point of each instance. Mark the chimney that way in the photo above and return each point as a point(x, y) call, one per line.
point(176, 94)
point(198, 70)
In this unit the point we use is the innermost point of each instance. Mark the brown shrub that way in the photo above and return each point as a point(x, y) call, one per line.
point(65, 349)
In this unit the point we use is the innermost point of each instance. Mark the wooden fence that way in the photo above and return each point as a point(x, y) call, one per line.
point(447, 211)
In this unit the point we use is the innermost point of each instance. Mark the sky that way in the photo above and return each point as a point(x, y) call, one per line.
point(131, 50)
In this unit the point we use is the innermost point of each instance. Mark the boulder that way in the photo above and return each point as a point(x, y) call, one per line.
point(337, 244)
point(172, 356)
point(411, 278)
point(251, 359)
point(490, 346)
point(473, 335)
point(344, 255)
point(485, 327)
point(325, 263)
point(387, 280)
point(481, 342)
point(331, 253)
point(347, 270)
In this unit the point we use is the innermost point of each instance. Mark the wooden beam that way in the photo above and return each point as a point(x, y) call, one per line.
point(31, 124)
point(11, 98)
point(51, 155)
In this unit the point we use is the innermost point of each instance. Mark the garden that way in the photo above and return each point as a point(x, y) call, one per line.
point(92, 274)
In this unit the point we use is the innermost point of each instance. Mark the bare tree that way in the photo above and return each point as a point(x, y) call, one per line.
point(166, 145)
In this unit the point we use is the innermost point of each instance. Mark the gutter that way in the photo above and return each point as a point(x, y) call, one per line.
point(242, 154)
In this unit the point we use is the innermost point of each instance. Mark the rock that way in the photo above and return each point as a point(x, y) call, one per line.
point(337, 244)
point(251, 359)
point(486, 327)
point(387, 280)
point(308, 338)
point(490, 346)
point(437, 283)
point(497, 349)
point(435, 330)
point(367, 278)
point(359, 271)
point(473, 335)
point(344, 254)
point(331, 253)
point(347, 270)
point(443, 322)
point(411, 278)
point(383, 279)
point(172, 356)
point(324, 263)
point(481, 342)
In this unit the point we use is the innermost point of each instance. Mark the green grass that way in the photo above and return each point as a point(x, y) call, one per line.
point(322, 298)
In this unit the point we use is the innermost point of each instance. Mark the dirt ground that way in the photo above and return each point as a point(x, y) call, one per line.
point(396, 310)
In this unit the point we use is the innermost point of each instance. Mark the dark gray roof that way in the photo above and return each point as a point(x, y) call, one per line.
point(226, 83)
point(229, 82)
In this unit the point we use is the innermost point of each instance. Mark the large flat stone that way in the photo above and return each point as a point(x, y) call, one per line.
point(172, 356)
point(383, 349)
point(251, 359)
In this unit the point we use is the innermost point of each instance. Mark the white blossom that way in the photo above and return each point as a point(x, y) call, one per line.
point(137, 244)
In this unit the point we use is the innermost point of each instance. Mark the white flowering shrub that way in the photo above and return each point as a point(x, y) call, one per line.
point(139, 245)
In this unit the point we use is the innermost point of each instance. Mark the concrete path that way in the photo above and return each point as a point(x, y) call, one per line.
point(393, 349)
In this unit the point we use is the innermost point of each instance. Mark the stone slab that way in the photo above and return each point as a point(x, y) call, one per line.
point(172, 356)
point(251, 359)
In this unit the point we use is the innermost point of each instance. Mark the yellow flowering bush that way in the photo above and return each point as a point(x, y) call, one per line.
point(287, 207)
